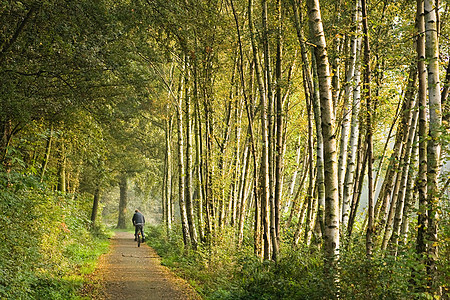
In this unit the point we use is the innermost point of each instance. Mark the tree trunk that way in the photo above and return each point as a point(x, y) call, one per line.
point(236, 202)
point(434, 143)
point(264, 184)
point(181, 168)
point(422, 220)
point(369, 141)
point(301, 222)
point(223, 146)
point(279, 148)
point(62, 162)
point(331, 238)
point(199, 183)
point(358, 184)
point(382, 214)
point(352, 89)
point(95, 206)
point(242, 196)
point(267, 132)
point(405, 128)
point(411, 190)
point(247, 102)
point(48, 148)
point(309, 193)
point(405, 163)
point(294, 204)
point(336, 59)
point(123, 185)
point(188, 168)
point(293, 180)
point(168, 215)
point(4, 142)
point(314, 93)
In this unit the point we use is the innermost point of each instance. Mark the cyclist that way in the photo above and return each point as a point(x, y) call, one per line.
point(138, 222)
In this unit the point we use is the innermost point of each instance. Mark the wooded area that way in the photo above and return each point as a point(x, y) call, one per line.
point(300, 145)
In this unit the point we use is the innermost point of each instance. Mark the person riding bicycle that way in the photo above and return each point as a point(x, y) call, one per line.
point(138, 222)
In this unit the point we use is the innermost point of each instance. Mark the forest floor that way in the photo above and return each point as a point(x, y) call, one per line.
point(129, 272)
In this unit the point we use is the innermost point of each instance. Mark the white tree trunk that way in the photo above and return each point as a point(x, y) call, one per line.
point(352, 87)
point(435, 119)
point(331, 239)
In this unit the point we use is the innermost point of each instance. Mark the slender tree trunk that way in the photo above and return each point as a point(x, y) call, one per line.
point(352, 89)
point(163, 192)
point(94, 212)
point(4, 143)
point(292, 185)
point(62, 162)
point(123, 201)
point(336, 51)
point(313, 89)
point(406, 127)
point(445, 105)
point(223, 146)
point(411, 190)
point(301, 220)
point(292, 200)
point(309, 193)
point(188, 168)
point(293, 210)
point(382, 215)
point(247, 102)
point(209, 170)
point(181, 168)
point(265, 142)
point(235, 201)
point(200, 186)
point(168, 182)
point(367, 78)
point(384, 153)
point(279, 137)
point(331, 238)
point(48, 148)
point(434, 144)
point(350, 84)
point(357, 186)
point(405, 164)
point(267, 124)
point(422, 219)
point(242, 196)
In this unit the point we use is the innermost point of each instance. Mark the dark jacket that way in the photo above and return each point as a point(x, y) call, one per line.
point(138, 218)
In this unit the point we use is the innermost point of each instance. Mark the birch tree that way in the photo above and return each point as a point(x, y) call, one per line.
point(352, 89)
point(435, 121)
point(331, 238)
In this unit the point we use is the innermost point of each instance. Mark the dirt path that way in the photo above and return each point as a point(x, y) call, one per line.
point(130, 272)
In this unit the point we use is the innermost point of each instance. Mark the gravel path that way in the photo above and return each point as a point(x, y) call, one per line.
point(130, 272)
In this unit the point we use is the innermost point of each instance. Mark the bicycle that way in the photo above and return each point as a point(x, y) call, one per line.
point(139, 237)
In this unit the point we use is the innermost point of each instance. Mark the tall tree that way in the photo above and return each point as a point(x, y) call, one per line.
point(181, 164)
point(123, 201)
point(352, 90)
point(434, 143)
point(332, 219)
point(369, 139)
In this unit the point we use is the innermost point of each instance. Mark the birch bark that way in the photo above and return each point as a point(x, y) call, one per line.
point(352, 89)
point(434, 144)
point(331, 239)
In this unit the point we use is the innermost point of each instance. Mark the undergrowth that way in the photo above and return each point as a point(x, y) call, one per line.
point(47, 244)
point(224, 272)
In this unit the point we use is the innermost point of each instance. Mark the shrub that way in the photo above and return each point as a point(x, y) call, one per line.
point(45, 244)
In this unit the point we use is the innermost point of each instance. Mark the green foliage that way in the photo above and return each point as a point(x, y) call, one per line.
point(45, 245)
point(227, 273)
